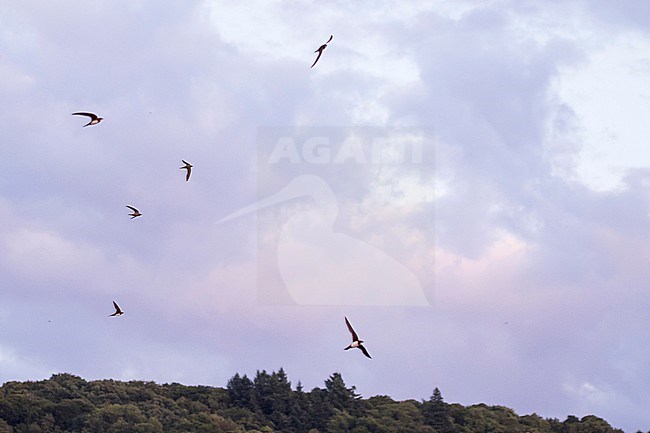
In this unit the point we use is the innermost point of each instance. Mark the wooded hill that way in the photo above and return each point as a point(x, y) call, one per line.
point(266, 403)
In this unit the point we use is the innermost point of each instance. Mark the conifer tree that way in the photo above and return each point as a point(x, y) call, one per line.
point(300, 410)
point(240, 391)
point(436, 413)
point(339, 396)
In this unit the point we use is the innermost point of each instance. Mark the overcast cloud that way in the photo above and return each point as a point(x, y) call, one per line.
point(510, 257)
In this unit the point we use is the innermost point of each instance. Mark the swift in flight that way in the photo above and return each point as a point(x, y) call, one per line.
point(187, 167)
point(321, 49)
point(94, 120)
point(118, 310)
point(136, 213)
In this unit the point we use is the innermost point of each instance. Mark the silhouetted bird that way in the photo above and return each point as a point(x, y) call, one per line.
point(118, 310)
point(356, 342)
point(94, 120)
point(321, 49)
point(187, 167)
point(136, 213)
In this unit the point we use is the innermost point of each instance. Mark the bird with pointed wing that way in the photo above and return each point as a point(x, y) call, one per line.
point(136, 213)
point(187, 167)
point(356, 342)
point(94, 119)
point(118, 310)
point(321, 49)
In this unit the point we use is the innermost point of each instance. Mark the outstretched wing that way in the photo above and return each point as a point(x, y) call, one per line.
point(118, 310)
point(92, 116)
point(328, 41)
point(354, 334)
point(187, 167)
point(365, 352)
point(320, 52)
point(133, 209)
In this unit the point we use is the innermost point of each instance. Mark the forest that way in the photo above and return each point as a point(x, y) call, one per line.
point(266, 403)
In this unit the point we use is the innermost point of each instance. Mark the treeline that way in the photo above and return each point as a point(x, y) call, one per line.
point(266, 403)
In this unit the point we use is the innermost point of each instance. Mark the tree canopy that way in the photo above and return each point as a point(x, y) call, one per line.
point(267, 403)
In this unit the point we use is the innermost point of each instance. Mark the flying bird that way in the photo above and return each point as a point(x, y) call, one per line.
point(118, 310)
point(187, 167)
point(136, 213)
point(94, 120)
point(356, 343)
point(321, 49)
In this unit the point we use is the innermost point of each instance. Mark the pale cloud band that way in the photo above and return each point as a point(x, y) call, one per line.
point(532, 208)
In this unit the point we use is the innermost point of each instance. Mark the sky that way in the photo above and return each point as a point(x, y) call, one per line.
point(467, 181)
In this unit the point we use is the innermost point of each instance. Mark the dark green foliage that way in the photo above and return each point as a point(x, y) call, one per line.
point(266, 404)
point(437, 414)
point(340, 397)
point(588, 424)
point(240, 390)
